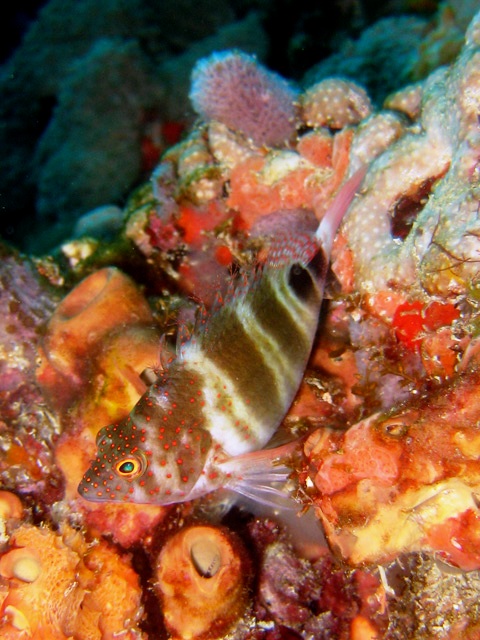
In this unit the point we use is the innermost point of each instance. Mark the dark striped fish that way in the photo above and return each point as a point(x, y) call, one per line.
point(202, 424)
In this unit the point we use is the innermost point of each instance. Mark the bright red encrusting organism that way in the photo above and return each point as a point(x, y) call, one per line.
point(408, 324)
point(194, 222)
point(412, 321)
point(440, 314)
point(223, 255)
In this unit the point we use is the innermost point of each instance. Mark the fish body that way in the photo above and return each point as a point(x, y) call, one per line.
point(203, 423)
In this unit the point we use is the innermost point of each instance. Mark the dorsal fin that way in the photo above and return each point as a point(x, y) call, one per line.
point(287, 250)
point(331, 221)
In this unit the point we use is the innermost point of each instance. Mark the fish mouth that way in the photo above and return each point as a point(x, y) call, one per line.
point(85, 490)
point(89, 486)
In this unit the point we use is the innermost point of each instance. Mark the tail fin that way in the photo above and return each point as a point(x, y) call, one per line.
point(331, 221)
point(262, 475)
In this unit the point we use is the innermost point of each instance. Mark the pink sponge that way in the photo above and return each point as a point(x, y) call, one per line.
point(231, 87)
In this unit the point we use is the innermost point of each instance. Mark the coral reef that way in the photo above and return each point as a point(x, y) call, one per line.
point(315, 598)
point(62, 130)
point(398, 246)
point(442, 604)
point(27, 426)
point(387, 413)
point(377, 494)
point(412, 240)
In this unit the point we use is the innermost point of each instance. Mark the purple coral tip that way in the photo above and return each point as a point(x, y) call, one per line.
point(231, 87)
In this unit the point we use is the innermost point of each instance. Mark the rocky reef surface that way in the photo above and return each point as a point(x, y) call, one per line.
point(89, 84)
point(383, 541)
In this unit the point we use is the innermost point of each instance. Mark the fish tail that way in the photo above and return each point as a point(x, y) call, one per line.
point(331, 221)
point(261, 476)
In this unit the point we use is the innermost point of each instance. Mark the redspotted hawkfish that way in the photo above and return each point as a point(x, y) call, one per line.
point(203, 423)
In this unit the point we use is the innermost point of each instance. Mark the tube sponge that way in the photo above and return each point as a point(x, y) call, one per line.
point(231, 87)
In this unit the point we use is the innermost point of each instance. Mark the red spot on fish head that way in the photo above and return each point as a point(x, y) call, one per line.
point(117, 473)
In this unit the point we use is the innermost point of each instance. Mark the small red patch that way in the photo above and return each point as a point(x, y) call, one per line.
point(457, 539)
point(412, 319)
point(440, 314)
point(172, 131)
point(408, 324)
point(223, 255)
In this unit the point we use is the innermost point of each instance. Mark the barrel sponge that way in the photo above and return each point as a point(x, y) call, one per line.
point(232, 88)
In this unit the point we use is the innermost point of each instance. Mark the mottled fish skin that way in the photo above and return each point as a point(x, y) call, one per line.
point(229, 387)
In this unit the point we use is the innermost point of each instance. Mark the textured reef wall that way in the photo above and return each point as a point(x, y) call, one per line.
point(90, 84)
point(384, 536)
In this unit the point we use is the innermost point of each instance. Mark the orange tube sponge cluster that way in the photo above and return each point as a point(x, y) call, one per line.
point(96, 344)
point(56, 587)
point(101, 304)
point(202, 570)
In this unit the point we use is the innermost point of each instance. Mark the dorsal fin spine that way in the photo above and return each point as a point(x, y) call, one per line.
point(331, 221)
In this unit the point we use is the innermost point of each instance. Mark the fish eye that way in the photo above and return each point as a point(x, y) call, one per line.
point(130, 467)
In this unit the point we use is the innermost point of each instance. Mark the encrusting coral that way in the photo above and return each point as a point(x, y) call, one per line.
point(334, 103)
point(399, 237)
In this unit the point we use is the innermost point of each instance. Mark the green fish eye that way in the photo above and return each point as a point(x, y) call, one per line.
point(126, 467)
point(130, 467)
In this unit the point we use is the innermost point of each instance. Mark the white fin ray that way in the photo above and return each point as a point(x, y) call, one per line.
point(255, 475)
point(266, 496)
point(329, 224)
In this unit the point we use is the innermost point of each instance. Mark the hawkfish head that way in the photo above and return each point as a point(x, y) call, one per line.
point(129, 469)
